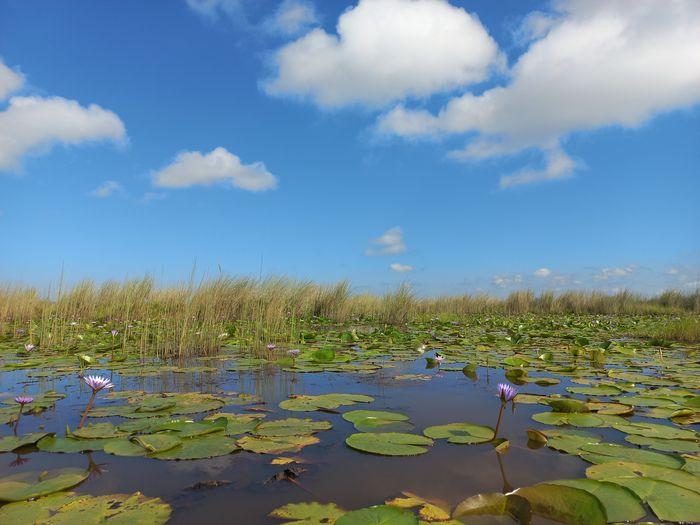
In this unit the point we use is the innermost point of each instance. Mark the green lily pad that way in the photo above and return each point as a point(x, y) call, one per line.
point(378, 515)
point(389, 443)
point(124, 447)
point(376, 420)
point(69, 507)
point(655, 430)
point(564, 504)
point(238, 423)
point(604, 452)
point(567, 405)
point(97, 431)
point(616, 469)
point(276, 445)
point(665, 445)
point(308, 513)
point(10, 443)
point(155, 443)
point(69, 445)
point(569, 441)
point(32, 484)
point(291, 427)
point(207, 446)
point(620, 503)
point(461, 433)
point(573, 418)
point(324, 401)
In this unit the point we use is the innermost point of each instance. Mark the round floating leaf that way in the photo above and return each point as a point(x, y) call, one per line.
point(568, 405)
point(565, 504)
point(655, 430)
point(615, 469)
point(378, 515)
point(494, 504)
point(9, 443)
point(604, 452)
point(563, 418)
point(324, 401)
point(69, 445)
point(33, 484)
point(569, 441)
point(97, 431)
point(291, 427)
point(620, 503)
point(276, 445)
point(389, 443)
point(124, 447)
point(202, 447)
point(309, 513)
point(665, 445)
point(82, 508)
point(612, 409)
point(461, 433)
point(155, 443)
point(375, 420)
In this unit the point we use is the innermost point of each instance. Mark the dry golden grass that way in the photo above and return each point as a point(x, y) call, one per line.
point(192, 317)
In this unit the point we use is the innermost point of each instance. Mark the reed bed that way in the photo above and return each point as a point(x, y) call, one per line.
point(194, 317)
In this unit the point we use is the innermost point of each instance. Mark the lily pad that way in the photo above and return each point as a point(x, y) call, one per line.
point(461, 433)
point(564, 504)
point(32, 484)
point(378, 515)
point(389, 443)
point(202, 447)
point(604, 452)
point(620, 503)
point(10, 443)
point(291, 427)
point(324, 401)
point(376, 420)
point(309, 513)
point(276, 445)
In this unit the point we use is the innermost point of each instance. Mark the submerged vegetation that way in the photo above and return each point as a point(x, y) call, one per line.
point(194, 318)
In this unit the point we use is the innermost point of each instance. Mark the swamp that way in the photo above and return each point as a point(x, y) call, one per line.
point(494, 417)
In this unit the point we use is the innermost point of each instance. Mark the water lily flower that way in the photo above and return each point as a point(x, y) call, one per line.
point(21, 400)
point(439, 358)
point(271, 346)
point(29, 347)
point(114, 332)
point(506, 393)
point(96, 383)
point(294, 352)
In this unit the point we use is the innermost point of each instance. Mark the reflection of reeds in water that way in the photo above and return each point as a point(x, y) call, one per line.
point(194, 317)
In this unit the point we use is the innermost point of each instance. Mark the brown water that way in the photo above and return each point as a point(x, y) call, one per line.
point(334, 472)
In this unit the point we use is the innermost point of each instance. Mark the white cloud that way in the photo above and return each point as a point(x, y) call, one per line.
point(390, 242)
point(401, 268)
point(212, 8)
point(107, 188)
point(672, 271)
point(505, 280)
point(386, 50)
point(9, 81)
point(192, 168)
point(542, 272)
point(608, 273)
point(593, 64)
point(31, 124)
point(292, 17)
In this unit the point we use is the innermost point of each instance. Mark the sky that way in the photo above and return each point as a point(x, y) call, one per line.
point(461, 146)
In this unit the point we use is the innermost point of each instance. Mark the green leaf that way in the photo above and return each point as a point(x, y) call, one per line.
point(603, 452)
point(389, 443)
point(461, 433)
point(379, 515)
point(276, 445)
point(155, 443)
point(207, 446)
point(291, 427)
point(376, 420)
point(620, 503)
point(324, 401)
point(134, 509)
point(615, 469)
point(33, 484)
point(309, 513)
point(10, 443)
point(564, 504)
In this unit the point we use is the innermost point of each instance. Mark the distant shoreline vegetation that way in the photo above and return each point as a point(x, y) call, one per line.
point(195, 317)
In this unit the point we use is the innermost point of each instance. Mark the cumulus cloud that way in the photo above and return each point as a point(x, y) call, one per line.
point(389, 243)
point(107, 188)
point(211, 9)
point(542, 272)
point(34, 124)
point(9, 81)
point(609, 273)
point(292, 17)
point(505, 280)
point(401, 268)
point(192, 168)
point(592, 64)
point(386, 50)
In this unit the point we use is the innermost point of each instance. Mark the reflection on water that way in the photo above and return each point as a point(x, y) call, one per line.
point(332, 471)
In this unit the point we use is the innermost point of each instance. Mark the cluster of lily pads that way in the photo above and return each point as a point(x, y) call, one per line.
point(645, 391)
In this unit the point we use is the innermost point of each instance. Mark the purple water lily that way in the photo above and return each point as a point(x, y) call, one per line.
point(21, 400)
point(294, 352)
point(114, 332)
point(96, 383)
point(271, 346)
point(29, 347)
point(506, 393)
point(439, 358)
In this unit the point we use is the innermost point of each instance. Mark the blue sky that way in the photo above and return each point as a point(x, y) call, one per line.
point(461, 146)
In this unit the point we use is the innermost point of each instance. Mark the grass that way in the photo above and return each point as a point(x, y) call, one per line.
point(684, 329)
point(192, 317)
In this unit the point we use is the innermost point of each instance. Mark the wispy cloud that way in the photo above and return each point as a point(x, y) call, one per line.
point(401, 268)
point(542, 272)
point(608, 273)
point(389, 243)
point(107, 188)
point(292, 17)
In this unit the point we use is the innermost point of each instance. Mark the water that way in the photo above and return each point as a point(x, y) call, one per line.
point(333, 472)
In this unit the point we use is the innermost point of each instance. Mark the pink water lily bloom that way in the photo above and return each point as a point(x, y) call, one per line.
point(294, 353)
point(439, 358)
point(271, 346)
point(23, 400)
point(98, 383)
